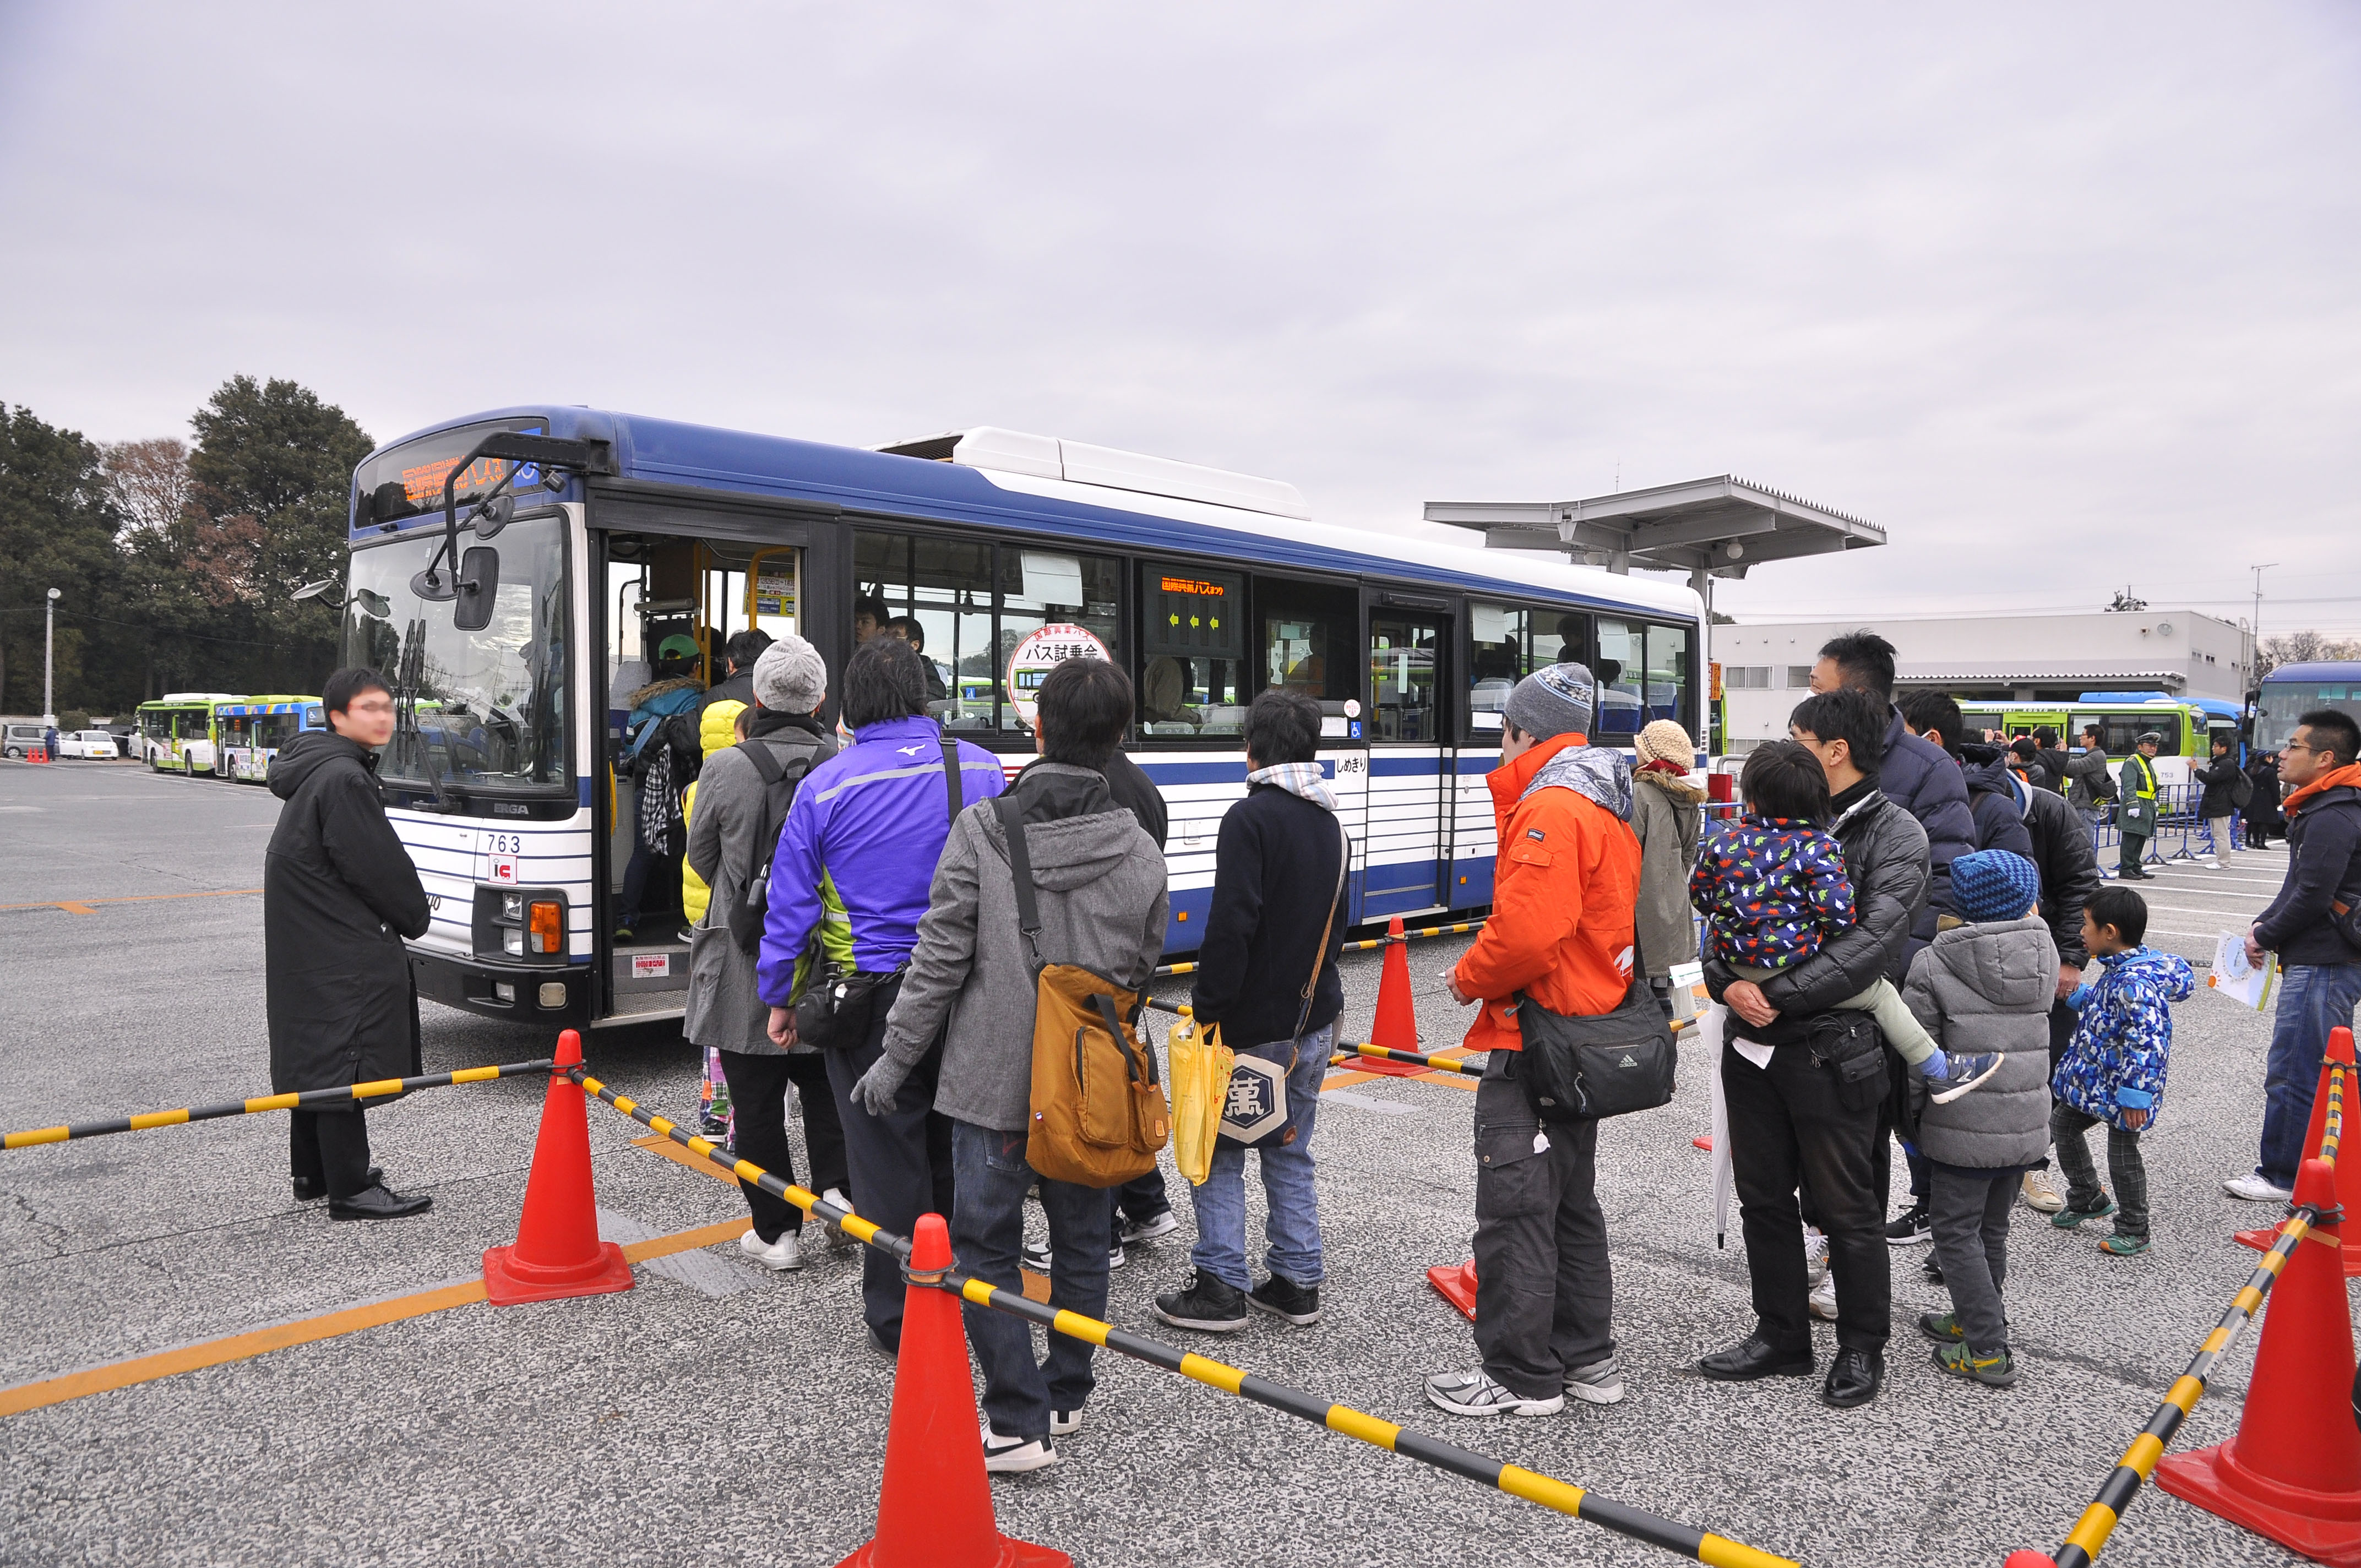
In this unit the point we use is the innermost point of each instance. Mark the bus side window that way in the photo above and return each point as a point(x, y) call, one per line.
point(1309, 633)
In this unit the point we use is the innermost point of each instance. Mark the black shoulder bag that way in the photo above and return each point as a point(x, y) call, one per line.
point(1584, 1068)
point(838, 1005)
point(753, 904)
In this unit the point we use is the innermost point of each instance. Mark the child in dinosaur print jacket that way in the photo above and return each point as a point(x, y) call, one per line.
point(1772, 886)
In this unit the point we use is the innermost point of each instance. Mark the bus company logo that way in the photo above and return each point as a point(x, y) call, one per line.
point(504, 869)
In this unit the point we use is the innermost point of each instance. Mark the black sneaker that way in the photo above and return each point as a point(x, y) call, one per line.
point(1209, 1304)
point(1283, 1298)
point(1912, 1228)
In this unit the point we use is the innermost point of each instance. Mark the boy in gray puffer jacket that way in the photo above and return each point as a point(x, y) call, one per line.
point(1984, 985)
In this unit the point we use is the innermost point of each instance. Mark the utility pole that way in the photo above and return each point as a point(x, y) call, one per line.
point(50, 661)
point(2254, 661)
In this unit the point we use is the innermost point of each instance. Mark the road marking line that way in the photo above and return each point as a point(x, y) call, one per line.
point(133, 1370)
point(83, 905)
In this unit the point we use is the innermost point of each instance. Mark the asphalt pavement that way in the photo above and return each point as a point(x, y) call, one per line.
point(721, 1414)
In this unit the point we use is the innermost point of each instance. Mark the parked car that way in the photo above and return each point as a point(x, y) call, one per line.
point(20, 740)
point(94, 744)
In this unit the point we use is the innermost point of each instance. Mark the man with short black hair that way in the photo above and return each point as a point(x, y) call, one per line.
point(1097, 894)
point(2223, 781)
point(870, 615)
point(2051, 760)
point(1267, 977)
point(2088, 781)
point(339, 893)
point(2312, 926)
point(908, 629)
point(737, 683)
point(1791, 1122)
point(854, 864)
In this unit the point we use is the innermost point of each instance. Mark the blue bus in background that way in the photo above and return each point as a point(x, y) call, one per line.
point(512, 572)
point(2291, 690)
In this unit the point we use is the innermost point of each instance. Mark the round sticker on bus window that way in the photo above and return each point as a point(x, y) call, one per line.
point(1042, 652)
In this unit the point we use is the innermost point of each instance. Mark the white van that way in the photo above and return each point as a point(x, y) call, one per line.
point(94, 744)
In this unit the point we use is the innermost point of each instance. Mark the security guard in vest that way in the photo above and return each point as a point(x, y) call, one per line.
point(2135, 813)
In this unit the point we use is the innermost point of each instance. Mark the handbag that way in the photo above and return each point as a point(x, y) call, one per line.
point(1097, 1113)
point(838, 1004)
point(1254, 1107)
point(1585, 1068)
point(1197, 1072)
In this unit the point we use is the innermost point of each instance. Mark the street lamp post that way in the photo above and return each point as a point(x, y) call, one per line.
point(50, 662)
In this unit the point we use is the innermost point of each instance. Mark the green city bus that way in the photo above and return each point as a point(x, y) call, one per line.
point(2121, 720)
point(176, 731)
point(249, 731)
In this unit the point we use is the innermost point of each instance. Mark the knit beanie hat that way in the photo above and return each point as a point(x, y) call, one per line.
point(1553, 702)
point(1993, 884)
point(789, 676)
point(1661, 740)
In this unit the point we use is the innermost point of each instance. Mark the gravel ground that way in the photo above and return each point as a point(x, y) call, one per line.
point(721, 1413)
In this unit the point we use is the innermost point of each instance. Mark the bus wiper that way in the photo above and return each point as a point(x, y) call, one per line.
point(440, 582)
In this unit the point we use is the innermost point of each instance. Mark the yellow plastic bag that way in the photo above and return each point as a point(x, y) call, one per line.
point(1197, 1072)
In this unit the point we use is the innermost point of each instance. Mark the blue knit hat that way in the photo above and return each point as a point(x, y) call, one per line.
point(1993, 884)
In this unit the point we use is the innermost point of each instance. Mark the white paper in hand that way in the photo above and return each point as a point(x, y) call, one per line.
point(2239, 979)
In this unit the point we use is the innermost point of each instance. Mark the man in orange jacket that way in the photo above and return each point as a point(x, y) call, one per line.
point(1564, 885)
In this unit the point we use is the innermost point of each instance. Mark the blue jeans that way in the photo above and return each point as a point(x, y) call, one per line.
point(1292, 1227)
point(987, 1229)
point(2313, 999)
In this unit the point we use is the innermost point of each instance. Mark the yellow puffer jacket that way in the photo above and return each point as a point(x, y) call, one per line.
point(717, 731)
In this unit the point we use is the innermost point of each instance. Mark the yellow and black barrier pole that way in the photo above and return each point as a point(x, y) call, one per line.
point(377, 1089)
point(2088, 1536)
point(1577, 1502)
point(1368, 944)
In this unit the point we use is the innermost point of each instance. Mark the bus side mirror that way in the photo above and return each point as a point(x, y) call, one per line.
point(479, 581)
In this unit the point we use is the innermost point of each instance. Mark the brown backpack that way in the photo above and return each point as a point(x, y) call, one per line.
point(1098, 1113)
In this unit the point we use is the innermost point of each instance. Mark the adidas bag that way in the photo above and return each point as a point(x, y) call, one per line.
point(1577, 1069)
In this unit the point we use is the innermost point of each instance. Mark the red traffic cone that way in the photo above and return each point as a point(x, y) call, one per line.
point(2031, 1560)
point(1456, 1286)
point(1397, 1025)
point(558, 1252)
point(2348, 1171)
point(935, 1508)
point(2293, 1473)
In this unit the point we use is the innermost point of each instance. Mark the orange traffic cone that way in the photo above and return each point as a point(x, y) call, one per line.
point(2348, 1171)
point(558, 1252)
point(1456, 1286)
point(935, 1508)
point(1397, 1025)
point(2293, 1473)
point(41, 755)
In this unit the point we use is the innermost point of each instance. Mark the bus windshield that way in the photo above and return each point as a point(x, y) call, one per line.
point(2283, 703)
point(479, 710)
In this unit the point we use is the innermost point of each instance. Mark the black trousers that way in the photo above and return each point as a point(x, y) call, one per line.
point(900, 1162)
point(758, 1096)
point(1788, 1127)
point(1544, 1283)
point(331, 1148)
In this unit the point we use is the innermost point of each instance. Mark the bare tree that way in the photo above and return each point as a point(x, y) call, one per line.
point(148, 482)
point(2303, 648)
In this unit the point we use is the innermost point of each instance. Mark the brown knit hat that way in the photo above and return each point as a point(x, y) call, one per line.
point(1661, 740)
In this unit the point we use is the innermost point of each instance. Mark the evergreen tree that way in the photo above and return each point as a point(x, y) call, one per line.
point(57, 531)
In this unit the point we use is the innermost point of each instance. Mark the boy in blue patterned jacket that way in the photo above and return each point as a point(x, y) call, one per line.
point(2114, 1069)
point(1772, 886)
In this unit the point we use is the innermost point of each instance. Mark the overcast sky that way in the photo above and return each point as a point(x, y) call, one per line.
point(2065, 297)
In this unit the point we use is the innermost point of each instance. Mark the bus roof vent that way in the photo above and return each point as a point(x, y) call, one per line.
point(1046, 457)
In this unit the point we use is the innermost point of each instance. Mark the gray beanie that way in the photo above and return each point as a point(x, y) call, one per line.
point(1553, 702)
point(789, 676)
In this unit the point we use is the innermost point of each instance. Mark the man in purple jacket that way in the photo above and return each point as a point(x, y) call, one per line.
point(855, 863)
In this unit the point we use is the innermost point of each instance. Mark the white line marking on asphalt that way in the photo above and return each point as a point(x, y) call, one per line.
point(1363, 1102)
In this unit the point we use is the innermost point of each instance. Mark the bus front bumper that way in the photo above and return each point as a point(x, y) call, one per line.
point(538, 994)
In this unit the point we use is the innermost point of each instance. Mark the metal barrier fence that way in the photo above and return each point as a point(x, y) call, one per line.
point(377, 1089)
point(2178, 829)
point(2088, 1536)
point(1575, 1502)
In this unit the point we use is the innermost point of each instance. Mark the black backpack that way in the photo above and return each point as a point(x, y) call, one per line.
point(748, 910)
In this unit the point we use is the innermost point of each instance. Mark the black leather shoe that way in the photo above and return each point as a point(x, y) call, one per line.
point(1750, 1358)
point(378, 1203)
point(310, 1191)
point(1855, 1378)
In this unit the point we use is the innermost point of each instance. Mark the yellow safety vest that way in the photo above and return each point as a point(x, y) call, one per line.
point(2147, 772)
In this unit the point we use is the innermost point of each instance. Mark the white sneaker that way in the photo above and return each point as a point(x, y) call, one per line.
point(1034, 1255)
point(1015, 1455)
point(2255, 1190)
point(1823, 1300)
point(1133, 1231)
point(1065, 1423)
point(780, 1256)
point(1473, 1393)
point(1816, 1256)
point(837, 1239)
point(2039, 1196)
point(1600, 1383)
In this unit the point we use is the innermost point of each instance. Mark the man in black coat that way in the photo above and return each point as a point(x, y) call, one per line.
point(2222, 777)
point(2262, 808)
point(339, 893)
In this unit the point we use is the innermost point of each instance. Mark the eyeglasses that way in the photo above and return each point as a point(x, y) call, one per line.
point(2296, 746)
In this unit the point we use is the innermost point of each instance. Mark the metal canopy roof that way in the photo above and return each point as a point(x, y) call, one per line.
point(2018, 672)
point(1720, 525)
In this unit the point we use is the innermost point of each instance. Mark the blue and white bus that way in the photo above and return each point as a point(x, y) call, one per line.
point(2292, 690)
point(590, 538)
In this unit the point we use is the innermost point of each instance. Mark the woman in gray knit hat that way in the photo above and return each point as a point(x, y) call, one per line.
point(732, 832)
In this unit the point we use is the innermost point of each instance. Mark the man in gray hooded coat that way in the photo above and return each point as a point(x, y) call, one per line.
point(1099, 882)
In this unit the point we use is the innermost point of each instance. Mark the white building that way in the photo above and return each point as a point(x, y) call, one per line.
point(1766, 667)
